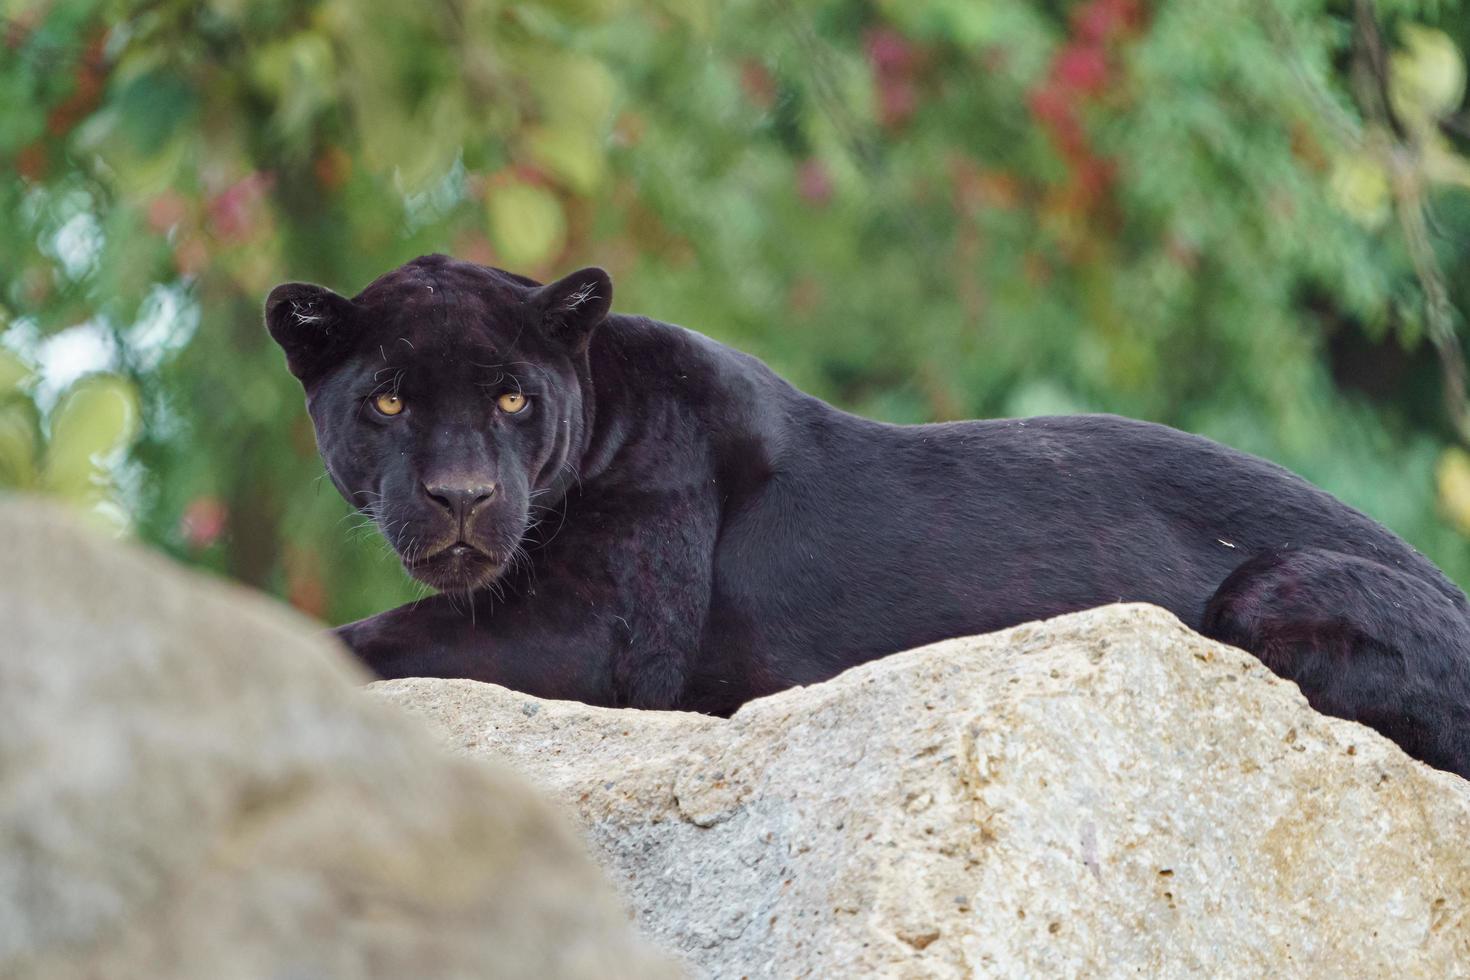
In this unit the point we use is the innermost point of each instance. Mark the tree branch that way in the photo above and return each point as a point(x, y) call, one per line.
point(1402, 155)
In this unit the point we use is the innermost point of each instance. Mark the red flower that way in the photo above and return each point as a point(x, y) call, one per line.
point(893, 59)
point(1082, 67)
point(813, 182)
point(203, 521)
point(233, 212)
point(889, 52)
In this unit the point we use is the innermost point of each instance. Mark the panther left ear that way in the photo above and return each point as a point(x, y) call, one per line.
point(309, 322)
point(571, 308)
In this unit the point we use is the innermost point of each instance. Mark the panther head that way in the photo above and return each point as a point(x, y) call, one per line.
point(450, 402)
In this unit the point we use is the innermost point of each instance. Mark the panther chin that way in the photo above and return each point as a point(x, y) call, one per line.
point(460, 567)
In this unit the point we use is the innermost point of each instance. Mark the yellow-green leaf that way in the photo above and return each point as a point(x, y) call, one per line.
point(420, 146)
point(14, 372)
point(17, 444)
point(1452, 478)
point(299, 73)
point(572, 89)
point(1426, 75)
point(698, 14)
point(142, 176)
point(1441, 164)
point(96, 417)
point(526, 223)
point(1361, 190)
point(571, 155)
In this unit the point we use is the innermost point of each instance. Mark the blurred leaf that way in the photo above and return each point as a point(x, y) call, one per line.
point(145, 175)
point(698, 14)
point(572, 156)
point(1441, 164)
point(153, 106)
point(1452, 477)
point(419, 147)
point(526, 223)
point(300, 75)
point(572, 89)
point(441, 127)
point(18, 444)
point(1361, 189)
point(1426, 76)
point(14, 373)
point(96, 417)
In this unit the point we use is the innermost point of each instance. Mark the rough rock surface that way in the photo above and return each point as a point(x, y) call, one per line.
point(1104, 794)
point(190, 786)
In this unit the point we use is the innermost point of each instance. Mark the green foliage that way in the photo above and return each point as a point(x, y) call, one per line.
point(1212, 213)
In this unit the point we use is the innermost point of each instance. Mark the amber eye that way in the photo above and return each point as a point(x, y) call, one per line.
point(512, 402)
point(388, 404)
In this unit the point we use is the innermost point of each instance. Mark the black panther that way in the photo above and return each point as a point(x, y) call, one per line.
point(624, 512)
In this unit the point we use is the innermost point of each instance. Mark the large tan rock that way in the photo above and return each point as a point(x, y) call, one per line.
point(191, 786)
point(1105, 794)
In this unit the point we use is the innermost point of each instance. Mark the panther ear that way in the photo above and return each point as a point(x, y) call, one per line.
point(571, 308)
point(310, 323)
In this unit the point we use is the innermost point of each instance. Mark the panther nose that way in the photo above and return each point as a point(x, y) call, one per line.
point(459, 500)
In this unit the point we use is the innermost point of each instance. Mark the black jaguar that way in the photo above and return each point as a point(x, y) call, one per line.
point(624, 512)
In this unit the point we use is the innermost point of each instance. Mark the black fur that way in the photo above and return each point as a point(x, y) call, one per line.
point(674, 526)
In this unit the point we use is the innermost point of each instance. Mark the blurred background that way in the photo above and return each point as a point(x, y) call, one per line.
point(1245, 218)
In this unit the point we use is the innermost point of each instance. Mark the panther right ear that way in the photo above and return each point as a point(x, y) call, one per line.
point(310, 323)
point(572, 307)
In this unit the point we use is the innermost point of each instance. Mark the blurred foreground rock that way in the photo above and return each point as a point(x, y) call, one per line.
point(1105, 794)
point(191, 787)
